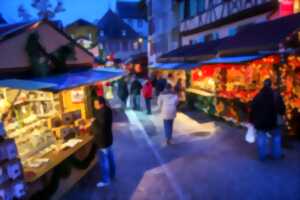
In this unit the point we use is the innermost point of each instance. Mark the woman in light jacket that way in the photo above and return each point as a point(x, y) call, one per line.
point(167, 102)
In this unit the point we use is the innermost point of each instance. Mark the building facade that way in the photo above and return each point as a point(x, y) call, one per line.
point(163, 28)
point(206, 20)
point(117, 39)
point(134, 14)
point(84, 32)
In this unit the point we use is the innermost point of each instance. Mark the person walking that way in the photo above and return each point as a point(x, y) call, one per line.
point(123, 91)
point(263, 116)
point(167, 102)
point(135, 91)
point(147, 94)
point(102, 129)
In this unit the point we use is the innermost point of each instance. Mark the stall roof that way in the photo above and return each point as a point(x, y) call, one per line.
point(25, 84)
point(76, 79)
point(232, 60)
point(175, 66)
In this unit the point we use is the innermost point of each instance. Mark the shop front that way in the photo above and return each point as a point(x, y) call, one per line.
point(48, 119)
point(224, 87)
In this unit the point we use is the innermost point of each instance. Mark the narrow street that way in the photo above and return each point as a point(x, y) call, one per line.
point(208, 160)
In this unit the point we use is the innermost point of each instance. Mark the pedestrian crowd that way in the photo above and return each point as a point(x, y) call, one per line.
point(266, 115)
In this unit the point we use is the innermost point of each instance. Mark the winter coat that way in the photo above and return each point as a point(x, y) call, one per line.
point(100, 90)
point(263, 114)
point(167, 102)
point(147, 90)
point(136, 87)
point(102, 127)
point(122, 89)
point(160, 85)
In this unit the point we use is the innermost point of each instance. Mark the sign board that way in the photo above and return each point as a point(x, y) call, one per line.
point(77, 96)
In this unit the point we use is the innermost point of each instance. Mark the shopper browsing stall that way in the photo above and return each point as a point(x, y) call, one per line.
point(102, 129)
point(263, 115)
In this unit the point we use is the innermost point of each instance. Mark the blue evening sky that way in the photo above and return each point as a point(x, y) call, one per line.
point(75, 9)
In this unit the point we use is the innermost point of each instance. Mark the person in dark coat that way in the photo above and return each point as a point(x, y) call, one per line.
point(102, 130)
point(135, 92)
point(123, 91)
point(161, 83)
point(263, 116)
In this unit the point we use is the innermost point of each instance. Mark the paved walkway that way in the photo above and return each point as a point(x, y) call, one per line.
point(210, 160)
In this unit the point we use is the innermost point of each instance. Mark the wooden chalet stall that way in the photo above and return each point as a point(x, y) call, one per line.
point(46, 107)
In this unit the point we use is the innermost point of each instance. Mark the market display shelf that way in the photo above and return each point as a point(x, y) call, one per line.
point(55, 158)
point(30, 101)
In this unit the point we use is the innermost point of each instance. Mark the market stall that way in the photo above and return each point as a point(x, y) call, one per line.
point(224, 86)
point(49, 119)
point(173, 71)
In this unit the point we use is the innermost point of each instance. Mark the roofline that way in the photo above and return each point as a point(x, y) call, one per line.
point(16, 30)
point(68, 37)
point(51, 24)
point(74, 22)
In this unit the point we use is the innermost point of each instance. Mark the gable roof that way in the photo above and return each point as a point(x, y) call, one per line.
point(127, 10)
point(2, 20)
point(113, 26)
point(7, 30)
point(13, 38)
point(10, 30)
point(80, 22)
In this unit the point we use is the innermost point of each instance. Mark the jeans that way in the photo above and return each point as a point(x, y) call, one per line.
point(148, 105)
point(264, 143)
point(136, 102)
point(168, 125)
point(107, 164)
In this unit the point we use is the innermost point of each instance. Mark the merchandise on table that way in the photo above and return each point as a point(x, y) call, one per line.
point(41, 123)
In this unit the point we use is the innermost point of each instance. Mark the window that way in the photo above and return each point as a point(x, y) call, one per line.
point(201, 39)
point(232, 31)
point(193, 8)
point(123, 33)
point(200, 6)
point(186, 9)
point(135, 45)
point(101, 33)
point(181, 10)
point(140, 23)
point(90, 36)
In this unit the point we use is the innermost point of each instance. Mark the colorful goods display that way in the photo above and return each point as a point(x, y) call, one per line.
point(38, 125)
point(232, 86)
point(290, 87)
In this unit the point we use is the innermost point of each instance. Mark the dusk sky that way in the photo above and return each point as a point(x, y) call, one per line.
point(75, 9)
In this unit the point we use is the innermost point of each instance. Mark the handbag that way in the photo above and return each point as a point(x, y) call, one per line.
point(250, 134)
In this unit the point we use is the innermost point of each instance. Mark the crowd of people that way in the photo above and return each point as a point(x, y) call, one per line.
point(266, 115)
